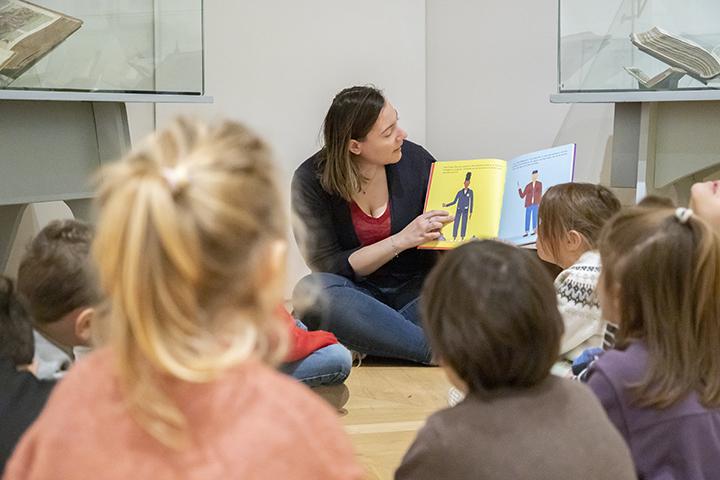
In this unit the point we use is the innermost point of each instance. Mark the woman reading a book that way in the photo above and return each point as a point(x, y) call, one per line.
point(358, 207)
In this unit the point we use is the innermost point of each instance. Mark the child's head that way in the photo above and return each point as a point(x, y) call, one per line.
point(58, 283)
point(571, 217)
point(16, 335)
point(190, 248)
point(660, 282)
point(491, 315)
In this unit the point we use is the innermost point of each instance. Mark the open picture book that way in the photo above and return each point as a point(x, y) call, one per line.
point(492, 198)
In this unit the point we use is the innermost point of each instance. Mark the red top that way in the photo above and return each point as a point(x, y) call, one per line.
point(369, 229)
point(303, 342)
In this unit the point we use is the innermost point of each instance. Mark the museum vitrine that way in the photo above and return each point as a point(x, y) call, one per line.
point(112, 46)
point(638, 45)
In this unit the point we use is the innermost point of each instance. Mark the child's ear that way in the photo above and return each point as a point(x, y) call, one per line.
point(574, 241)
point(83, 325)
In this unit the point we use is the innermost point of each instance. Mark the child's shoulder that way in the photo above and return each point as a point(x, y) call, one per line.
point(621, 367)
point(587, 264)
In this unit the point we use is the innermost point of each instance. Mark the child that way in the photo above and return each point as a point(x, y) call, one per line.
point(661, 384)
point(571, 216)
point(314, 358)
point(57, 282)
point(497, 338)
point(190, 249)
point(22, 396)
point(317, 360)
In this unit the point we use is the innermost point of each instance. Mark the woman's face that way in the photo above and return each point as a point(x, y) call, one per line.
point(705, 201)
point(382, 144)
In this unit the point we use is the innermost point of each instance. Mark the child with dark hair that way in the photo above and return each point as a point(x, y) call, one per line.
point(660, 386)
point(22, 396)
point(497, 338)
point(57, 281)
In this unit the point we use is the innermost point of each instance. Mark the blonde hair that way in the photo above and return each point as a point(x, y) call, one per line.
point(667, 276)
point(185, 225)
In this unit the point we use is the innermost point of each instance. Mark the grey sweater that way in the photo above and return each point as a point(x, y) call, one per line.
point(553, 431)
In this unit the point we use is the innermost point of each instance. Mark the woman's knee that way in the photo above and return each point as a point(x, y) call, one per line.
point(311, 290)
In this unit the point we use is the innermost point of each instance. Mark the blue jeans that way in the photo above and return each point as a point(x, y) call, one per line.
point(327, 366)
point(531, 212)
point(383, 322)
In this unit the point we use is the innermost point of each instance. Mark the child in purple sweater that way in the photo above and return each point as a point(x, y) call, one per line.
point(661, 386)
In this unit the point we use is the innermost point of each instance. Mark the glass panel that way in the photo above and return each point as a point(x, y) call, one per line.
point(136, 46)
point(596, 52)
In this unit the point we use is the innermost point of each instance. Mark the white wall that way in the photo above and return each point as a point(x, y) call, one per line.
point(491, 67)
point(276, 65)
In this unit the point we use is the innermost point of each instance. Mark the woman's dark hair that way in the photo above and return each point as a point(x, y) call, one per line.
point(351, 116)
point(16, 334)
point(491, 313)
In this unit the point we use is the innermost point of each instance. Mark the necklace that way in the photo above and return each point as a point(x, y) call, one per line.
point(363, 186)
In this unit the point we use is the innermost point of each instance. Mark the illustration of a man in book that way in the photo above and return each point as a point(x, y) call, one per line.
point(532, 195)
point(464, 209)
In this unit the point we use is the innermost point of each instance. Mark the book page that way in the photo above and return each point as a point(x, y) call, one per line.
point(471, 190)
point(528, 177)
point(5, 55)
point(19, 20)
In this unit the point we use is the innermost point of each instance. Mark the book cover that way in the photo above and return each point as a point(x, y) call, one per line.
point(494, 198)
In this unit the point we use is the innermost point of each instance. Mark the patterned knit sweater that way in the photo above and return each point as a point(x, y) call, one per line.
point(578, 303)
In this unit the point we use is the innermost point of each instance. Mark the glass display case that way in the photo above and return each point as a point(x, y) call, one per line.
point(638, 46)
point(111, 46)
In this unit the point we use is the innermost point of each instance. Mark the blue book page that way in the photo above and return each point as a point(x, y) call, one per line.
point(528, 178)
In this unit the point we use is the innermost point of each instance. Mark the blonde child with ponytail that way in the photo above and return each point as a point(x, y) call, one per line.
point(190, 248)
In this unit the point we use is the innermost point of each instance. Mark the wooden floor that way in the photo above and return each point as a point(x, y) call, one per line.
point(388, 404)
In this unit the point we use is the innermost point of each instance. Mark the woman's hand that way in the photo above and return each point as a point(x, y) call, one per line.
point(425, 228)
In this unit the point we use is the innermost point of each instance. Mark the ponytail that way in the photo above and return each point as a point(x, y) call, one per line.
point(183, 227)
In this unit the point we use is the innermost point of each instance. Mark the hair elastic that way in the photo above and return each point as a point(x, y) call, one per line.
point(176, 177)
point(683, 214)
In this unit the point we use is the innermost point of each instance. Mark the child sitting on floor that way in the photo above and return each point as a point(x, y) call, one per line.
point(22, 395)
point(57, 282)
point(497, 338)
point(660, 386)
point(191, 252)
point(571, 217)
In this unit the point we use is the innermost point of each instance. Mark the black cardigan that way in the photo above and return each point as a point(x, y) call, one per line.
point(326, 235)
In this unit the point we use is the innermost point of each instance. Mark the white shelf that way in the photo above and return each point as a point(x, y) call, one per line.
point(636, 96)
point(102, 97)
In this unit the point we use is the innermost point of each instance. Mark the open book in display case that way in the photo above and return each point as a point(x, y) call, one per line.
point(658, 62)
point(67, 69)
point(107, 46)
point(638, 45)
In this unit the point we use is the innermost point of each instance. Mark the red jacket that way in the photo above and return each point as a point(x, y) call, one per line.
point(531, 196)
point(303, 342)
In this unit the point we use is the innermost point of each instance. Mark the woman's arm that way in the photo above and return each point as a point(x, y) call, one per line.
point(424, 228)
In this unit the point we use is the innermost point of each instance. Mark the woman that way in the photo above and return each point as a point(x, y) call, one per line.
point(358, 204)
